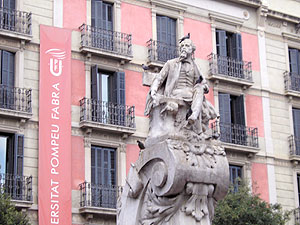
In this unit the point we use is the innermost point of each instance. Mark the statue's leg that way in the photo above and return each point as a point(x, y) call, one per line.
point(197, 104)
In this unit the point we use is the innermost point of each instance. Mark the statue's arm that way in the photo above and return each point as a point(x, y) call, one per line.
point(159, 79)
point(152, 100)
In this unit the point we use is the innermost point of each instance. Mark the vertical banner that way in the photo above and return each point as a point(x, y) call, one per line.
point(54, 179)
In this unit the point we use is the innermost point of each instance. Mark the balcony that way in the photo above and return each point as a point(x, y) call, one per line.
point(100, 199)
point(106, 43)
point(18, 188)
point(16, 24)
point(107, 116)
point(15, 102)
point(294, 145)
point(230, 70)
point(292, 84)
point(160, 52)
point(237, 137)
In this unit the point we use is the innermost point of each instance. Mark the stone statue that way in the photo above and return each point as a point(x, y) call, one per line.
point(183, 169)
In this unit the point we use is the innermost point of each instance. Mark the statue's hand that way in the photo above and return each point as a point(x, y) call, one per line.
point(155, 99)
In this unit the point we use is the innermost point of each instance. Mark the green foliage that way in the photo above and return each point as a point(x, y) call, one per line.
point(244, 208)
point(9, 214)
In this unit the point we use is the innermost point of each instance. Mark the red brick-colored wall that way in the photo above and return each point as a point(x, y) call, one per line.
point(250, 50)
point(78, 161)
point(254, 113)
point(74, 14)
point(137, 21)
point(78, 81)
point(260, 180)
point(201, 36)
point(136, 93)
point(132, 154)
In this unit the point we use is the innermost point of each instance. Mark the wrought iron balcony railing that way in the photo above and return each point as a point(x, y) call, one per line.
point(294, 144)
point(13, 98)
point(16, 187)
point(291, 81)
point(236, 134)
point(161, 52)
point(107, 113)
point(297, 216)
point(14, 20)
point(96, 195)
point(230, 67)
point(106, 40)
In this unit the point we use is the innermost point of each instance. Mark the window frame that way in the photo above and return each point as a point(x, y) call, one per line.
point(223, 22)
point(231, 47)
point(232, 182)
point(100, 149)
point(120, 156)
point(116, 84)
point(116, 13)
point(235, 95)
point(172, 10)
point(12, 152)
point(297, 60)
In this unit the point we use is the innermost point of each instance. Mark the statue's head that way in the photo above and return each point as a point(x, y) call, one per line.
point(186, 48)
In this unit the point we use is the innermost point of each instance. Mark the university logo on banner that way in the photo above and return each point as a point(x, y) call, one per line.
point(54, 183)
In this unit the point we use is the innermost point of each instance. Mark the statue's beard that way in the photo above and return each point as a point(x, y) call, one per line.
point(183, 55)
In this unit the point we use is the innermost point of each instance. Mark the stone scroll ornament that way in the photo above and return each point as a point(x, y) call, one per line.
point(183, 170)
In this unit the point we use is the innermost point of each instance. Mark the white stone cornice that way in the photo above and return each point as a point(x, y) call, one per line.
point(283, 16)
point(226, 19)
point(291, 37)
point(169, 5)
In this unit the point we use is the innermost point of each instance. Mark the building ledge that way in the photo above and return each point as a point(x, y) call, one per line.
point(15, 114)
point(157, 65)
point(292, 93)
point(228, 79)
point(253, 3)
point(295, 159)
point(22, 204)
point(110, 54)
point(98, 210)
point(250, 151)
point(107, 127)
point(16, 35)
point(283, 16)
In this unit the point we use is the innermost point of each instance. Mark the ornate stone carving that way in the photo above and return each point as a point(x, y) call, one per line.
point(183, 170)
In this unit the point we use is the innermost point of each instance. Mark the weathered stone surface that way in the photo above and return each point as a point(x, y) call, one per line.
point(183, 171)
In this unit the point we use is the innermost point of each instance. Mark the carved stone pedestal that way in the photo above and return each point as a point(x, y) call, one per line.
point(175, 182)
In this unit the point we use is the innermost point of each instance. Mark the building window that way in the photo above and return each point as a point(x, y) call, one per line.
point(103, 177)
point(229, 54)
point(11, 164)
point(8, 4)
point(166, 38)
point(229, 44)
point(296, 121)
point(11, 154)
point(7, 81)
point(294, 57)
point(232, 119)
point(102, 25)
point(9, 16)
point(102, 15)
point(235, 172)
point(298, 186)
point(108, 96)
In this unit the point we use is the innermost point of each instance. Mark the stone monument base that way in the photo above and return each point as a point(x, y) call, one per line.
point(175, 182)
